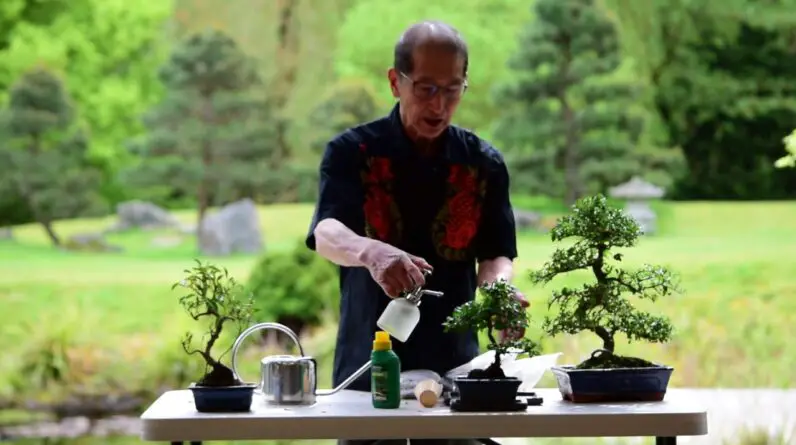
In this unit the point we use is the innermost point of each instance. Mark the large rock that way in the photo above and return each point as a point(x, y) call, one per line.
point(234, 228)
point(144, 215)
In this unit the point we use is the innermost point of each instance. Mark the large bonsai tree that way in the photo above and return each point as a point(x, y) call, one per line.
point(496, 310)
point(601, 306)
point(216, 298)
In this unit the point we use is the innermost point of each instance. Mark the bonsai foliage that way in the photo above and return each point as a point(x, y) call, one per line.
point(788, 160)
point(601, 306)
point(216, 298)
point(495, 311)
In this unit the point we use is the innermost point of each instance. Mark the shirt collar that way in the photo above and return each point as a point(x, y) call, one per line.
point(403, 145)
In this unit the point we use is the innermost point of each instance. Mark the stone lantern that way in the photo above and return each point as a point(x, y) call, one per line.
point(637, 193)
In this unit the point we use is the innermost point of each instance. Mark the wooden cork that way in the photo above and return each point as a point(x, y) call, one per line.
point(428, 392)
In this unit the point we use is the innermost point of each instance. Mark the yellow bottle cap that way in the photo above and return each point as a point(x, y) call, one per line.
point(382, 341)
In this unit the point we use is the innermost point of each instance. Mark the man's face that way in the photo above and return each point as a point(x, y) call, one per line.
point(430, 94)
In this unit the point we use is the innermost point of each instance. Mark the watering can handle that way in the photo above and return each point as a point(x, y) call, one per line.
point(259, 327)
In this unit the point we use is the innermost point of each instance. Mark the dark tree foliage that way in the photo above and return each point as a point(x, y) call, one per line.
point(346, 105)
point(496, 310)
point(571, 130)
point(601, 306)
point(212, 136)
point(43, 153)
point(215, 298)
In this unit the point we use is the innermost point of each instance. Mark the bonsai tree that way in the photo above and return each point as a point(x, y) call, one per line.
point(214, 298)
point(601, 305)
point(495, 311)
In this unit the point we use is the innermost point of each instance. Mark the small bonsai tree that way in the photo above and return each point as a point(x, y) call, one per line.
point(497, 310)
point(600, 306)
point(216, 298)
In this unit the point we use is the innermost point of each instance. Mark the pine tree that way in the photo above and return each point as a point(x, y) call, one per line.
point(43, 152)
point(211, 137)
point(567, 112)
point(346, 104)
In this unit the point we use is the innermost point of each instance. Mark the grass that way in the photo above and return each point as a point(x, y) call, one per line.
point(736, 261)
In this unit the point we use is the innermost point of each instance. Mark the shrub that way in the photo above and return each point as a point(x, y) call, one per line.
point(295, 288)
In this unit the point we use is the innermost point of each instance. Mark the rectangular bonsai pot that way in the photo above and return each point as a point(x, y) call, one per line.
point(612, 385)
point(223, 399)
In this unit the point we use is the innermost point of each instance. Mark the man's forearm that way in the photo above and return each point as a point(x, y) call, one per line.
point(340, 245)
point(491, 270)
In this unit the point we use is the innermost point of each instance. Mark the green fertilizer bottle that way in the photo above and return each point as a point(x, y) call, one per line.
point(385, 373)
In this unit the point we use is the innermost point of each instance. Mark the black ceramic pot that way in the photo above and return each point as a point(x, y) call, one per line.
point(488, 393)
point(224, 399)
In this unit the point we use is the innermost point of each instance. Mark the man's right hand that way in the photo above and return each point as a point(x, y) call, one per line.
point(393, 269)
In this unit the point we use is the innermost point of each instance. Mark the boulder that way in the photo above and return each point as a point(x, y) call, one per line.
point(144, 215)
point(235, 228)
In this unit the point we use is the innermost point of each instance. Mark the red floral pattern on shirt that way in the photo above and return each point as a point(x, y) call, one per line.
point(382, 217)
point(457, 222)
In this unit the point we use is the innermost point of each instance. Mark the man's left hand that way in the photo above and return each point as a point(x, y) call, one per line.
point(509, 334)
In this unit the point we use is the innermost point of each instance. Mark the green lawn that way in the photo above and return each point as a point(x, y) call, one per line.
point(736, 260)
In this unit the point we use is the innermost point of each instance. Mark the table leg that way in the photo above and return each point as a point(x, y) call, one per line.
point(666, 441)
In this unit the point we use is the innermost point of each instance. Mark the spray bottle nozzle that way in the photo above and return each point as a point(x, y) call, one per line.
point(417, 293)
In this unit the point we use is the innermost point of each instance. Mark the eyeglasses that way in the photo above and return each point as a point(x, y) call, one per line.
point(426, 91)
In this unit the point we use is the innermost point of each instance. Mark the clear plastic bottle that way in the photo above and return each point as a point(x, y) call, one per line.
point(401, 316)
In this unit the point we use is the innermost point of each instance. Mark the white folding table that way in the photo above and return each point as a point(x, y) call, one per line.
point(349, 415)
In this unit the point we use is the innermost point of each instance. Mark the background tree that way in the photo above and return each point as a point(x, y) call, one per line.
point(720, 73)
point(212, 136)
point(43, 153)
point(565, 114)
point(345, 105)
point(107, 52)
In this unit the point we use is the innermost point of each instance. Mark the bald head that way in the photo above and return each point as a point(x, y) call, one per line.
point(428, 34)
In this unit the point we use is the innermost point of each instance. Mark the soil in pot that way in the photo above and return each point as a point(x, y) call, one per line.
point(487, 390)
point(606, 377)
point(220, 391)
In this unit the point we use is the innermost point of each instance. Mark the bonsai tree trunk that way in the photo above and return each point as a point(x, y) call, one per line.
point(606, 337)
point(493, 371)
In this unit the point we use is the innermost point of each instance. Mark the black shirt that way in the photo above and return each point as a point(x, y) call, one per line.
point(451, 209)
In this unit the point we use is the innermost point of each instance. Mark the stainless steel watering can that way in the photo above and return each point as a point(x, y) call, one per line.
point(289, 379)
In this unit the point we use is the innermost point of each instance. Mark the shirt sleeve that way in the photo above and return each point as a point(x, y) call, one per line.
point(497, 236)
point(340, 192)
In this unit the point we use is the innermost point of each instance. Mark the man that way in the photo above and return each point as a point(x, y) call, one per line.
point(409, 193)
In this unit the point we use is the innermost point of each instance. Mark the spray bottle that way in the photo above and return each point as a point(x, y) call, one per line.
point(403, 313)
